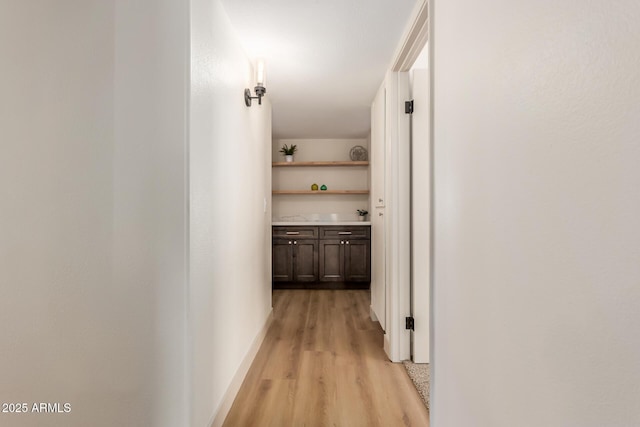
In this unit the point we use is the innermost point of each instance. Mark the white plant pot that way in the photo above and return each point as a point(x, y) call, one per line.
point(288, 159)
point(361, 217)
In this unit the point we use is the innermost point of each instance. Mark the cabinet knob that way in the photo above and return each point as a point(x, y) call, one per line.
point(379, 213)
point(380, 200)
point(342, 242)
point(295, 242)
point(347, 242)
point(289, 241)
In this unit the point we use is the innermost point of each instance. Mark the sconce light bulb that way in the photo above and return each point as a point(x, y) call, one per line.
point(260, 73)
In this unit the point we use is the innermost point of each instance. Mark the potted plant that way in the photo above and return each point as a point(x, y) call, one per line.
point(362, 214)
point(288, 152)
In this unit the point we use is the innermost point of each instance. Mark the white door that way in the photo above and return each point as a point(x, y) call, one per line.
point(391, 252)
point(420, 215)
point(397, 216)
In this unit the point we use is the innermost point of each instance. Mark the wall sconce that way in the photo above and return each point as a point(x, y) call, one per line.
point(260, 86)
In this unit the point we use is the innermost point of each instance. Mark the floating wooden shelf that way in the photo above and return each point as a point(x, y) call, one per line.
point(329, 163)
point(320, 192)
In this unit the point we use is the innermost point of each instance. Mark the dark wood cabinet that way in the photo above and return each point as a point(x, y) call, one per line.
point(323, 256)
point(295, 254)
point(357, 260)
point(282, 260)
point(331, 267)
point(305, 260)
point(345, 259)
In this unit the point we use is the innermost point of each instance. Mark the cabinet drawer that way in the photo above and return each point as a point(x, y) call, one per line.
point(344, 232)
point(300, 232)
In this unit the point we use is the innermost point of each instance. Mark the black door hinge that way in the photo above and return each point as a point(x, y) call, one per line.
point(409, 323)
point(408, 107)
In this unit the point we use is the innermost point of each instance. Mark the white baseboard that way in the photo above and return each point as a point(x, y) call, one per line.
point(241, 373)
point(387, 346)
point(373, 314)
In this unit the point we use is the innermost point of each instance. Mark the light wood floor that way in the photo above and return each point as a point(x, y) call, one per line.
point(322, 364)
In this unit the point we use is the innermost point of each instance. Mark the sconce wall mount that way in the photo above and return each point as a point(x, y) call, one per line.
point(260, 91)
point(260, 86)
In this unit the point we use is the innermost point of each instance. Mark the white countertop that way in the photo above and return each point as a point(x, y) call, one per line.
point(311, 223)
point(326, 219)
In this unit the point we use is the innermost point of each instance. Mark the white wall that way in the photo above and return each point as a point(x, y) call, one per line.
point(537, 233)
point(230, 177)
point(150, 199)
point(335, 178)
point(92, 211)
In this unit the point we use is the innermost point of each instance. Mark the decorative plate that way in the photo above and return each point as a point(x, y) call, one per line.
point(358, 153)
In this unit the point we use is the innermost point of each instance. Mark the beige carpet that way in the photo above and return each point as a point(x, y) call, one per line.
point(419, 374)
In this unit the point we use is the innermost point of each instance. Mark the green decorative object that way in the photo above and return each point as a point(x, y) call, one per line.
point(323, 188)
point(314, 187)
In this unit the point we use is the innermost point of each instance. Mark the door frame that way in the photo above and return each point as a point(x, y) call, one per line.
point(397, 343)
point(421, 265)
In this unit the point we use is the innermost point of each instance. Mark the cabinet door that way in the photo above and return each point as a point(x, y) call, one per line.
point(305, 260)
point(331, 260)
point(357, 260)
point(282, 260)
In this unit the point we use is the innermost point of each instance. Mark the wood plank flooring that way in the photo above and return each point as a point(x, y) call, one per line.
point(322, 364)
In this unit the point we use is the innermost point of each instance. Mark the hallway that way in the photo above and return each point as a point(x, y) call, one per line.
point(322, 364)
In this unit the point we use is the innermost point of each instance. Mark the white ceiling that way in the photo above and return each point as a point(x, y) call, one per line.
point(325, 59)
